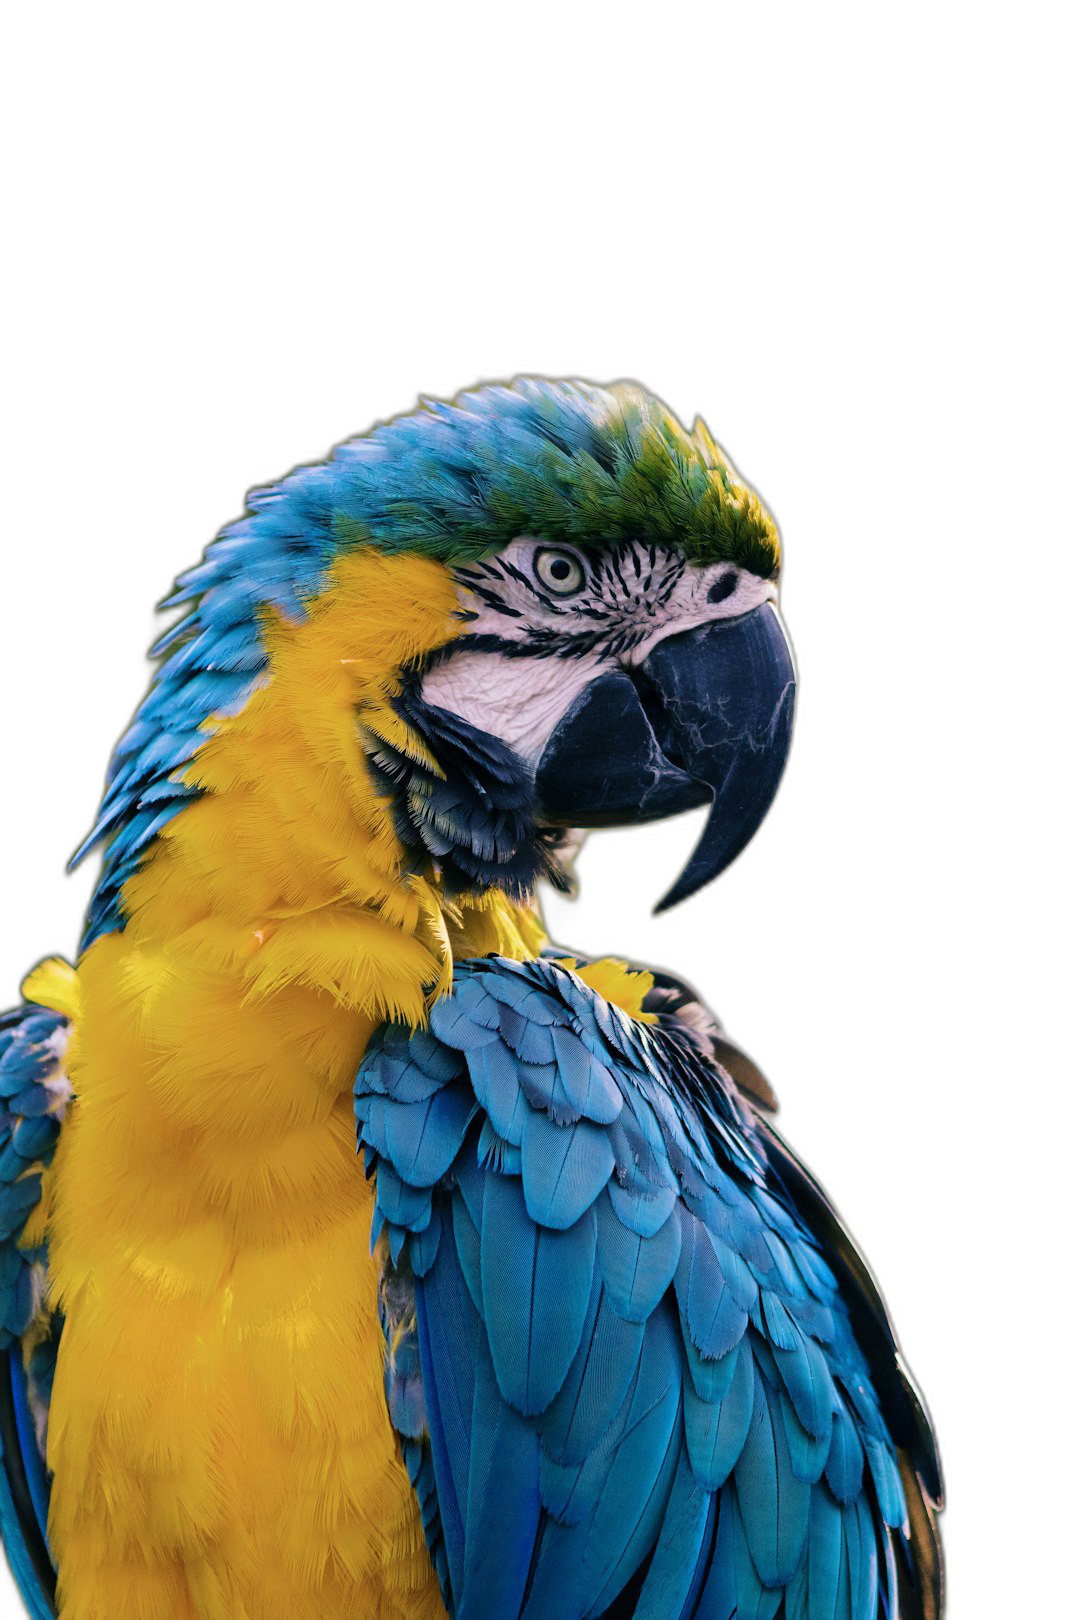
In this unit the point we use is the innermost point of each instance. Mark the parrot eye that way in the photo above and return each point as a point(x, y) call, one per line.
point(559, 572)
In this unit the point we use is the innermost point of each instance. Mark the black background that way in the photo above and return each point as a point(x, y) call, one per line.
point(159, 387)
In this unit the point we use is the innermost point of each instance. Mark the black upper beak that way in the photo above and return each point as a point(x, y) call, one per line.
point(707, 715)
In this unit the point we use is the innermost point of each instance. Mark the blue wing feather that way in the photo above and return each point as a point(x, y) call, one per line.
point(809, 1384)
point(447, 1335)
point(504, 1490)
point(808, 1454)
point(774, 1504)
point(716, 1430)
point(678, 1566)
point(862, 1556)
point(846, 1461)
point(563, 1169)
point(536, 1288)
point(630, 1481)
point(733, 1590)
point(827, 1589)
point(637, 1270)
point(596, 1385)
point(640, 1383)
point(714, 1319)
point(467, 1239)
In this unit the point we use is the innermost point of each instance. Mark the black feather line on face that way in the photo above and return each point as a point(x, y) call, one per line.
point(513, 572)
point(603, 569)
point(540, 642)
point(475, 825)
point(494, 600)
point(619, 600)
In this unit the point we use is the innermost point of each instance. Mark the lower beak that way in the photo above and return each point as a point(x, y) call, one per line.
point(707, 715)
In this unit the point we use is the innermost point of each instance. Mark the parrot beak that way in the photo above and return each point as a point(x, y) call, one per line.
point(706, 715)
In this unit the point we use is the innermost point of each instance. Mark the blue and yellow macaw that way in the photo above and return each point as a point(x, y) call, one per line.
point(577, 1335)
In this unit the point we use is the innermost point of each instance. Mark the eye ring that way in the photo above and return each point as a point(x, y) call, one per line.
point(558, 571)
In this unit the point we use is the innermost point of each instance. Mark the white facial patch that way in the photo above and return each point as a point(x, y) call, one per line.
point(547, 619)
point(518, 700)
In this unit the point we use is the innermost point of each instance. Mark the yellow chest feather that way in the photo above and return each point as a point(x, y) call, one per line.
point(218, 1434)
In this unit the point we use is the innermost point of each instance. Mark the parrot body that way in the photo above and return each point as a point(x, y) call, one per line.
point(585, 1339)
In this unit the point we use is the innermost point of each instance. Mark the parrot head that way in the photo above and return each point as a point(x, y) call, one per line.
point(622, 657)
point(611, 649)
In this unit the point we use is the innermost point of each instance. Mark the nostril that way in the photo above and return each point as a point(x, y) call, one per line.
point(725, 586)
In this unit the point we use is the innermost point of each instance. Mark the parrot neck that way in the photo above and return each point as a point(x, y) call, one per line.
point(289, 859)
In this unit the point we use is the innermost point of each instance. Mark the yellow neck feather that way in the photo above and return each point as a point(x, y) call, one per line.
point(290, 861)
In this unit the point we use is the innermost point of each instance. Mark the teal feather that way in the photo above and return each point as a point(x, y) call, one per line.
point(716, 1431)
point(642, 1209)
point(846, 1460)
point(536, 1288)
point(679, 1561)
point(780, 1327)
point(736, 1273)
point(563, 1169)
point(774, 1503)
point(543, 1090)
point(734, 1590)
point(588, 1083)
point(887, 1486)
point(467, 1239)
point(398, 1203)
point(595, 1387)
point(808, 1455)
point(499, 1090)
point(861, 1545)
point(531, 1042)
point(809, 1383)
point(715, 1320)
point(504, 1462)
point(711, 1377)
point(828, 1591)
point(420, 1139)
point(493, 1152)
point(627, 1493)
point(637, 1270)
point(424, 1245)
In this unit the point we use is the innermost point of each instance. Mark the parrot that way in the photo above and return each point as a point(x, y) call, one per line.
point(365, 1254)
